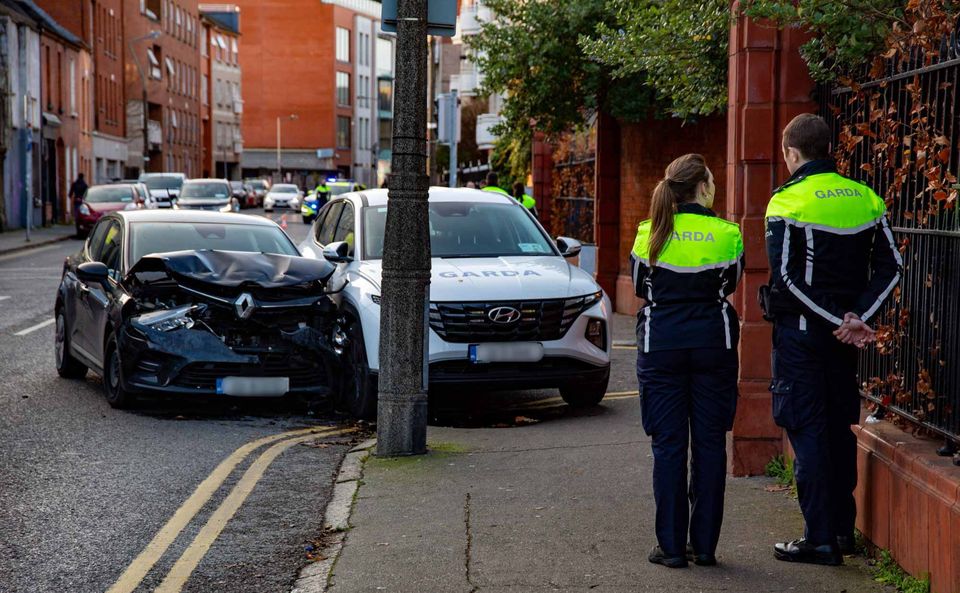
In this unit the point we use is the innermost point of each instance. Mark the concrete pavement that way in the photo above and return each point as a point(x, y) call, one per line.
point(556, 500)
point(16, 240)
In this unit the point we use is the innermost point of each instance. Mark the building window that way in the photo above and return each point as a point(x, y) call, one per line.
point(235, 50)
point(151, 8)
point(343, 88)
point(343, 132)
point(385, 95)
point(343, 44)
point(204, 50)
point(384, 57)
point(153, 55)
point(73, 87)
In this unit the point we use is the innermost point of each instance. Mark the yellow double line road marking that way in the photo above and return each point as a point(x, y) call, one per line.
point(188, 561)
point(556, 401)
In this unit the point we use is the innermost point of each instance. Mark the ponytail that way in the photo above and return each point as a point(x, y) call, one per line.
point(679, 186)
point(662, 208)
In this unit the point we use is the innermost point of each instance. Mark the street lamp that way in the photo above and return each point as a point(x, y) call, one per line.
point(292, 116)
point(152, 35)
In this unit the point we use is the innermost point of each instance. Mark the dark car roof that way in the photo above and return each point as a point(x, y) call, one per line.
point(192, 216)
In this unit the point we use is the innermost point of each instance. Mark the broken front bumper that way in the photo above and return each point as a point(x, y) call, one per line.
point(197, 362)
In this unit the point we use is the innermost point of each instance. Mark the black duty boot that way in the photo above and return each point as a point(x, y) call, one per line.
point(700, 559)
point(800, 551)
point(658, 557)
point(847, 544)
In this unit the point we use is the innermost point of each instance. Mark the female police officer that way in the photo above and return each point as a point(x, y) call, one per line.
point(686, 261)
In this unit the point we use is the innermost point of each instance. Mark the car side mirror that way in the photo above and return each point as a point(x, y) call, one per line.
point(568, 247)
point(337, 253)
point(93, 272)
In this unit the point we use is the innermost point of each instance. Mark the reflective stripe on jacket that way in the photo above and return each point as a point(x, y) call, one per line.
point(686, 291)
point(830, 248)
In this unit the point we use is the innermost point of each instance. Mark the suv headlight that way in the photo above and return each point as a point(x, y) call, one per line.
point(84, 210)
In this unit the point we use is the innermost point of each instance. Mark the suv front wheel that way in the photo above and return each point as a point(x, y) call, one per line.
point(584, 394)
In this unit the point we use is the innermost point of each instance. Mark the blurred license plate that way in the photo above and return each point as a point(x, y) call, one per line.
point(253, 386)
point(512, 352)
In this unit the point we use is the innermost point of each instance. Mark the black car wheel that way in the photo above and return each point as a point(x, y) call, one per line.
point(358, 386)
point(67, 366)
point(584, 394)
point(117, 396)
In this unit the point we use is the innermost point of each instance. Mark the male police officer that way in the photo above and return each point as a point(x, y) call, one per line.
point(492, 180)
point(833, 263)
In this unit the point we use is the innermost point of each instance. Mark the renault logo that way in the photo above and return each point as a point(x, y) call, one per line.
point(503, 315)
point(245, 306)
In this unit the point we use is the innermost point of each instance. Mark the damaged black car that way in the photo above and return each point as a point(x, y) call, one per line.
point(195, 303)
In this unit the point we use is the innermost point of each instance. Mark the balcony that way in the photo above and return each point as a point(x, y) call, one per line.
point(154, 133)
point(469, 25)
point(485, 123)
point(468, 79)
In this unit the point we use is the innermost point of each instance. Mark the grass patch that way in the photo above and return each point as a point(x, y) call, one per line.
point(888, 572)
point(781, 469)
point(446, 448)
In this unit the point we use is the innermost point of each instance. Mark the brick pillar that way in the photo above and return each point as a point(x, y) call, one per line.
point(769, 85)
point(542, 173)
point(606, 214)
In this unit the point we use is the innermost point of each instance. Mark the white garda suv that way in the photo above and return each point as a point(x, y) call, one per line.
point(507, 311)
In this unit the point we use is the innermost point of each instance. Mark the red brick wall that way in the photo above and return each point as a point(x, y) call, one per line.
point(287, 63)
point(646, 150)
point(769, 85)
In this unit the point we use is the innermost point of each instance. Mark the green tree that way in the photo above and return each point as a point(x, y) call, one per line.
point(679, 46)
point(845, 34)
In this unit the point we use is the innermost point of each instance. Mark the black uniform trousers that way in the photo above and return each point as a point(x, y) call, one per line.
point(816, 399)
point(688, 397)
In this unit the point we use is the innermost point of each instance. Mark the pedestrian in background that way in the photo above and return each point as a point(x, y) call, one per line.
point(78, 191)
point(833, 263)
point(686, 262)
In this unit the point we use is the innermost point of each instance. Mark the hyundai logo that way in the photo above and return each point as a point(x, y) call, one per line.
point(245, 306)
point(503, 315)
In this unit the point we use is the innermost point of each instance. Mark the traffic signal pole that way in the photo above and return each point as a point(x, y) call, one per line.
point(402, 405)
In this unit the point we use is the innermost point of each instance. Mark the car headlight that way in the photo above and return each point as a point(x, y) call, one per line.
point(170, 319)
point(596, 333)
point(84, 210)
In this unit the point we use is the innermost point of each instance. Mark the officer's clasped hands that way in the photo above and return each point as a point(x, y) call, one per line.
point(854, 331)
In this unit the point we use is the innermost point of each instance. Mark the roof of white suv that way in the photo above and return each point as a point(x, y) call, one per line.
point(378, 197)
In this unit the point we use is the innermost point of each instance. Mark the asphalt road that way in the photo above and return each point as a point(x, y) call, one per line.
point(84, 488)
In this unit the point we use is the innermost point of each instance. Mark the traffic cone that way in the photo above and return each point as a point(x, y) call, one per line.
point(283, 222)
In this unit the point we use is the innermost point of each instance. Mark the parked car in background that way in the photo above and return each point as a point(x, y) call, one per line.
point(101, 199)
point(149, 200)
point(506, 308)
point(208, 194)
point(260, 188)
point(194, 303)
point(282, 195)
point(244, 194)
point(164, 187)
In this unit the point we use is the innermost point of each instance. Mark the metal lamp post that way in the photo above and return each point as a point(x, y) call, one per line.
point(152, 35)
point(291, 117)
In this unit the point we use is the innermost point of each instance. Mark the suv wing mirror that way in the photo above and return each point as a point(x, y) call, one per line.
point(338, 253)
point(568, 247)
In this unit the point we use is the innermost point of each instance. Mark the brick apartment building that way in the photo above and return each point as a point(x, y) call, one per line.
point(63, 61)
point(163, 39)
point(312, 70)
point(99, 24)
point(221, 98)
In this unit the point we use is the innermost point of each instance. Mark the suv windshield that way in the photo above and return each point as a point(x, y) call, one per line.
point(163, 237)
point(258, 184)
point(163, 182)
point(284, 189)
point(109, 194)
point(205, 189)
point(463, 229)
point(340, 188)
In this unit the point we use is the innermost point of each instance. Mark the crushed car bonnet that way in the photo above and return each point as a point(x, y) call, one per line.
point(235, 268)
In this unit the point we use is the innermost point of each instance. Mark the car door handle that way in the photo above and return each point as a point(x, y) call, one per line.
point(83, 289)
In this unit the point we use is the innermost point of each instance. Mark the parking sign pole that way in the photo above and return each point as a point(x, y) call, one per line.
point(402, 405)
